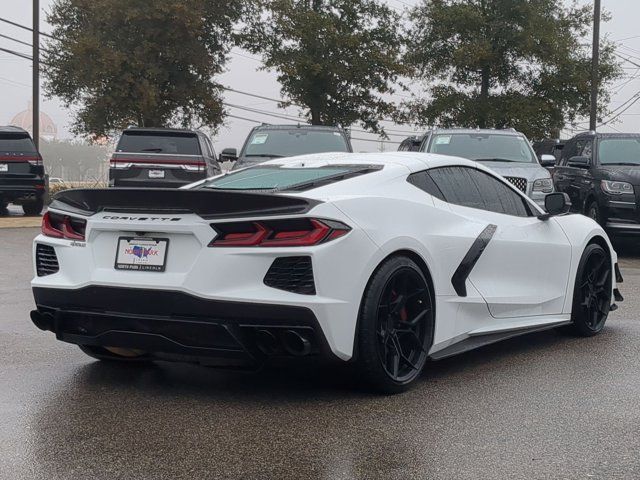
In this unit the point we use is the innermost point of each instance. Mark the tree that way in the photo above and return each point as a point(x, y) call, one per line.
point(335, 58)
point(505, 63)
point(135, 62)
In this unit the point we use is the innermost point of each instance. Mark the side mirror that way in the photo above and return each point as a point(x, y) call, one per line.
point(547, 160)
point(579, 162)
point(229, 155)
point(556, 204)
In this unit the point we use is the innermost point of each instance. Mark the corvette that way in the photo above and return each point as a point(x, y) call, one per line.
point(383, 261)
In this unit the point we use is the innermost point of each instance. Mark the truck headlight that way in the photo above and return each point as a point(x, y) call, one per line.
point(544, 185)
point(617, 188)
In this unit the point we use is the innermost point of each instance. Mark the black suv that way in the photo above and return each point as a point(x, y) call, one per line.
point(601, 174)
point(267, 142)
point(162, 157)
point(22, 178)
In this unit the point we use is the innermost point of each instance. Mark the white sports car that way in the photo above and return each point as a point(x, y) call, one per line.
point(382, 260)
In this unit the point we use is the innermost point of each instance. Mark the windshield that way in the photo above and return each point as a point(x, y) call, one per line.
point(483, 146)
point(297, 141)
point(625, 151)
point(16, 143)
point(161, 142)
point(275, 177)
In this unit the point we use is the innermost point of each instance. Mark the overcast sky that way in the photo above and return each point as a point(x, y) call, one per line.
point(242, 74)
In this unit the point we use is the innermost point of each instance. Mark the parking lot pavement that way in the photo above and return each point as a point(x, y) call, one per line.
point(541, 406)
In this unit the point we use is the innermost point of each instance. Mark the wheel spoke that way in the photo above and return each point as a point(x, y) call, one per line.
point(417, 319)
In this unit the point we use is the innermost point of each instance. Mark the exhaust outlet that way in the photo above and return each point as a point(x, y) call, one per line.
point(44, 321)
point(267, 342)
point(295, 343)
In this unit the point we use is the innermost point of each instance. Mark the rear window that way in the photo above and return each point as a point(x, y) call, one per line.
point(16, 143)
point(274, 177)
point(297, 141)
point(161, 142)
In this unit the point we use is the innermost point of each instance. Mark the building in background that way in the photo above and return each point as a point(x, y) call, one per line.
point(48, 129)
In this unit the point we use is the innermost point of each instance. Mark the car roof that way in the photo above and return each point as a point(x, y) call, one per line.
point(296, 126)
point(607, 135)
point(161, 130)
point(492, 131)
point(12, 129)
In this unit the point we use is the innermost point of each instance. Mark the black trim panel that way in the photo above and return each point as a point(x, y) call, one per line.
point(469, 261)
point(208, 204)
point(166, 321)
point(477, 341)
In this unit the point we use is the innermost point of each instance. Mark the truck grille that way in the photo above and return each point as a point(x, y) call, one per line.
point(518, 182)
point(46, 260)
point(293, 274)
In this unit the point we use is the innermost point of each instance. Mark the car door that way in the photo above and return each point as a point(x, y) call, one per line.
point(574, 180)
point(584, 182)
point(524, 269)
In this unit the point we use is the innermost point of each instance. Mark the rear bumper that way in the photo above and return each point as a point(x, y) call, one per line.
point(174, 324)
point(139, 177)
point(21, 188)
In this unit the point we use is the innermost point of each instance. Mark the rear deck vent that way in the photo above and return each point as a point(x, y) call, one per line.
point(293, 274)
point(46, 260)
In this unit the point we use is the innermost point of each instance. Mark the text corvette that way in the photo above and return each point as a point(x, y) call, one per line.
point(382, 260)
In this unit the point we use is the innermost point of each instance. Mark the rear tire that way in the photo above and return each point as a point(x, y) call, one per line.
point(592, 292)
point(395, 326)
point(112, 355)
point(33, 208)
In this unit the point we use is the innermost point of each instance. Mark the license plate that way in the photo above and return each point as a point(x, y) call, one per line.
point(4, 167)
point(142, 254)
point(156, 173)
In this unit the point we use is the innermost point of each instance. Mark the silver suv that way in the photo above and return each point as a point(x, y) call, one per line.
point(507, 152)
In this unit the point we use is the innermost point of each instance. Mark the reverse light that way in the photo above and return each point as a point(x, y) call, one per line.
point(544, 185)
point(35, 161)
point(617, 188)
point(298, 232)
point(63, 226)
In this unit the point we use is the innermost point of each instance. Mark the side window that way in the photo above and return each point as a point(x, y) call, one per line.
point(424, 182)
point(457, 186)
point(567, 152)
point(211, 149)
point(473, 188)
point(498, 197)
point(587, 149)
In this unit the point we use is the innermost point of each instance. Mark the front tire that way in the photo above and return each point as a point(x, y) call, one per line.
point(395, 326)
point(592, 292)
point(593, 212)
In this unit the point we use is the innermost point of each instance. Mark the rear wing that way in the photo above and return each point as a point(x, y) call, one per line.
point(208, 204)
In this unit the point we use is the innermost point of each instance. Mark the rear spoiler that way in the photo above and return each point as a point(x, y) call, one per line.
point(208, 204)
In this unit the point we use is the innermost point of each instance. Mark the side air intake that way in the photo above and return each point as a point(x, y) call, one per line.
point(293, 274)
point(46, 260)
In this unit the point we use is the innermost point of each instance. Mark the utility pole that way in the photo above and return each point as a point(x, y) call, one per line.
point(595, 62)
point(36, 74)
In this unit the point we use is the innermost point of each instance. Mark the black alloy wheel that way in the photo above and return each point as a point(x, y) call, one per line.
point(396, 325)
point(592, 295)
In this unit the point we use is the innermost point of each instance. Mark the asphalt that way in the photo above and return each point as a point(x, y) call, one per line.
point(536, 407)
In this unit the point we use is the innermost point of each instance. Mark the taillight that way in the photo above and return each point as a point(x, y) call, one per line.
point(297, 232)
point(63, 226)
point(35, 161)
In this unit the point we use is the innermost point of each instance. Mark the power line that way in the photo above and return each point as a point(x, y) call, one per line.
point(17, 54)
point(24, 27)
